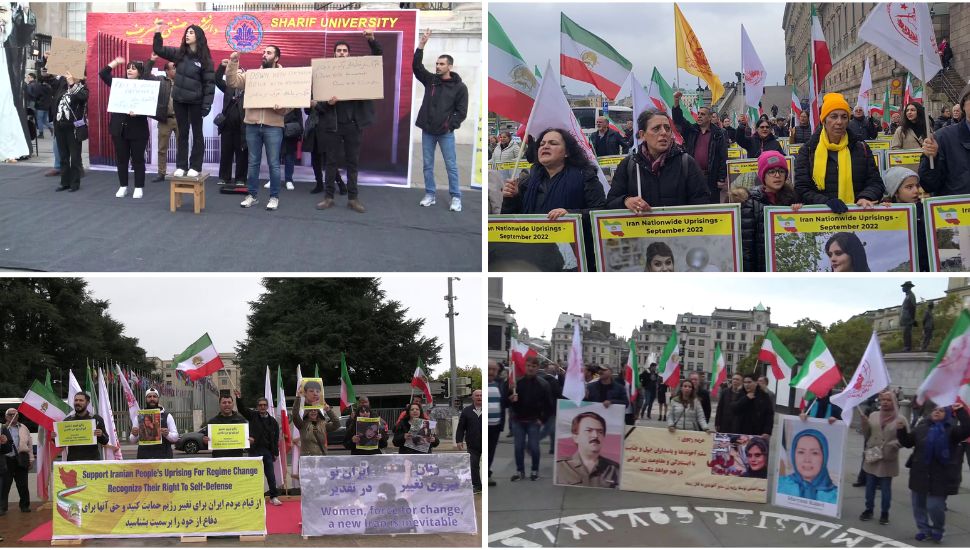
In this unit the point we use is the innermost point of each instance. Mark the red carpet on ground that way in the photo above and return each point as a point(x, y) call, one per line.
point(280, 520)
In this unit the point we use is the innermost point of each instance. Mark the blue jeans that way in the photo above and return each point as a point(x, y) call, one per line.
point(258, 135)
point(42, 121)
point(549, 430)
point(447, 144)
point(521, 430)
point(925, 504)
point(57, 152)
point(885, 489)
point(648, 398)
point(268, 469)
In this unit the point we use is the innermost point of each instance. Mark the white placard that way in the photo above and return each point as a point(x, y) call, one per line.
point(133, 96)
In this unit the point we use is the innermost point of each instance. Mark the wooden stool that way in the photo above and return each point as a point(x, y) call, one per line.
point(184, 185)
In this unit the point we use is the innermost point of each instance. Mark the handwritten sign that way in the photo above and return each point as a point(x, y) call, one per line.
point(228, 436)
point(67, 56)
point(288, 87)
point(346, 78)
point(133, 96)
point(74, 432)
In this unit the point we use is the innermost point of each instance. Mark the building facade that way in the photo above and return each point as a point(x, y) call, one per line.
point(600, 346)
point(735, 330)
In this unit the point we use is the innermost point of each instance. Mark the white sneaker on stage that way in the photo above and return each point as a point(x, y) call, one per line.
point(137, 193)
point(178, 173)
point(121, 192)
point(428, 200)
point(289, 186)
point(266, 185)
point(192, 173)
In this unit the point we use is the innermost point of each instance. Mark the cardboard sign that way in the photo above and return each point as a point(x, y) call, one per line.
point(67, 56)
point(287, 87)
point(347, 78)
point(133, 96)
point(74, 432)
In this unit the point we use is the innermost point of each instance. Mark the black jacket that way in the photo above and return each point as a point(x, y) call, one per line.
point(402, 428)
point(363, 109)
point(535, 401)
point(195, 81)
point(289, 143)
point(680, 181)
point(951, 175)
point(352, 431)
point(265, 431)
point(445, 102)
point(802, 134)
point(234, 418)
point(120, 124)
point(754, 145)
point(705, 397)
point(866, 180)
point(165, 86)
point(78, 102)
point(40, 92)
point(232, 104)
point(725, 421)
point(865, 127)
point(592, 193)
point(87, 452)
point(931, 478)
point(753, 227)
point(716, 151)
point(753, 416)
point(470, 429)
point(610, 143)
point(615, 393)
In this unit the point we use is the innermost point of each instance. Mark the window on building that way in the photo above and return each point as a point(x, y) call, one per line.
point(700, 354)
point(690, 365)
point(732, 325)
point(718, 335)
point(758, 327)
point(691, 341)
point(495, 340)
point(690, 353)
point(744, 336)
point(683, 328)
point(703, 330)
point(744, 326)
point(77, 15)
point(730, 345)
point(730, 357)
point(730, 336)
point(693, 329)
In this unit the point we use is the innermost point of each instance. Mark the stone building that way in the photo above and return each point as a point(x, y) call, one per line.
point(600, 346)
point(500, 321)
point(734, 329)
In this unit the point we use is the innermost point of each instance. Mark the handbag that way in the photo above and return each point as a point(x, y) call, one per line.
point(873, 455)
point(81, 130)
point(220, 121)
point(292, 130)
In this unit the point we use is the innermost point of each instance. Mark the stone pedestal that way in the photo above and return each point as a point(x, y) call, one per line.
point(907, 369)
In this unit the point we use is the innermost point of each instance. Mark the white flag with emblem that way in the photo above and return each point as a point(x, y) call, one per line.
point(904, 30)
point(870, 378)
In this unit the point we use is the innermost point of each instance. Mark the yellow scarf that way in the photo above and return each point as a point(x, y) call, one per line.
point(846, 192)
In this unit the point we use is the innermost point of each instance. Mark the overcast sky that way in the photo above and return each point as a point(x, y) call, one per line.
point(167, 314)
point(644, 34)
point(627, 302)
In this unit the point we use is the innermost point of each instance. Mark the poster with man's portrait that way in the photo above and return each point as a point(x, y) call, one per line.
point(589, 444)
point(809, 465)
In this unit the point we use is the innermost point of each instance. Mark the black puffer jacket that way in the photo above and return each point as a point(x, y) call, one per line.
point(754, 145)
point(753, 416)
point(680, 181)
point(951, 175)
point(753, 225)
point(802, 134)
point(866, 180)
point(445, 102)
point(716, 150)
point(195, 81)
point(930, 478)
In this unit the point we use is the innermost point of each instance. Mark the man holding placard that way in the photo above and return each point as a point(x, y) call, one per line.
point(225, 444)
point(81, 414)
point(169, 431)
point(343, 124)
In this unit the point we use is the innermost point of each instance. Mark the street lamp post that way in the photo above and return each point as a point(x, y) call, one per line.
point(455, 399)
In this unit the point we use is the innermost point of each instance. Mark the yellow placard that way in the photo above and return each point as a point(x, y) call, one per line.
point(875, 157)
point(522, 165)
point(951, 215)
point(877, 144)
point(610, 161)
point(668, 225)
point(228, 436)
point(794, 148)
point(74, 432)
point(134, 499)
point(735, 153)
point(855, 220)
point(899, 158)
point(537, 231)
point(748, 166)
point(312, 391)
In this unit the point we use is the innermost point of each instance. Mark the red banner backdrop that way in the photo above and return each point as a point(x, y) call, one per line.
point(301, 36)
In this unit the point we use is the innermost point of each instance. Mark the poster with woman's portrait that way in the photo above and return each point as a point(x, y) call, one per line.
point(149, 427)
point(589, 444)
point(815, 239)
point(808, 470)
point(312, 390)
point(739, 456)
point(369, 431)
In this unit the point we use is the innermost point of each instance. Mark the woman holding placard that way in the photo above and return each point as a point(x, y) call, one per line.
point(70, 129)
point(413, 434)
point(129, 133)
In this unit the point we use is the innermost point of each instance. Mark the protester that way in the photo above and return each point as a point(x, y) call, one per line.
point(660, 173)
point(469, 433)
point(810, 479)
point(492, 144)
point(497, 395)
point(756, 450)
point(728, 130)
point(227, 415)
point(264, 127)
point(950, 174)
point(315, 141)
point(165, 114)
point(945, 119)
point(417, 399)
point(648, 388)
point(587, 467)
point(902, 186)
point(686, 410)
point(707, 144)
point(862, 125)
point(893, 124)
point(86, 452)
point(129, 132)
point(846, 253)
point(70, 130)
point(724, 418)
point(835, 167)
point(763, 384)
point(946, 53)
point(822, 407)
point(403, 435)
point(774, 189)
point(912, 130)
point(763, 140)
point(935, 463)
point(264, 431)
point(605, 140)
point(40, 93)
point(292, 135)
point(957, 113)
point(551, 374)
point(752, 411)
point(803, 131)
point(661, 401)
point(169, 432)
point(703, 394)
point(232, 141)
point(505, 150)
point(442, 111)
point(352, 438)
point(192, 94)
point(628, 135)
point(881, 456)
point(18, 458)
point(314, 424)
point(531, 403)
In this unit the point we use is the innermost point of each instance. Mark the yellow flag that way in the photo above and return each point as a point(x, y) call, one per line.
point(690, 55)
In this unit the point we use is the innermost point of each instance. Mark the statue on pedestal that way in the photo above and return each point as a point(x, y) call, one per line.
point(907, 316)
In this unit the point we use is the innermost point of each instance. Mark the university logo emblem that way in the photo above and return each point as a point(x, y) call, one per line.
point(903, 17)
point(523, 79)
point(589, 58)
point(244, 33)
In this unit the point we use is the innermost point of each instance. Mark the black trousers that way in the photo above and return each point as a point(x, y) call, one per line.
point(15, 474)
point(69, 149)
point(132, 150)
point(493, 434)
point(318, 160)
point(233, 146)
point(476, 458)
point(189, 116)
point(343, 147)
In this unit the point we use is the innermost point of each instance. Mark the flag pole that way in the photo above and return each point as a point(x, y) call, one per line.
point(926, 114)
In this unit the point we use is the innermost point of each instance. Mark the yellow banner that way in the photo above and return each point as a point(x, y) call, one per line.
point(522, 165)
point(221, 496)
point(228, 436)
point(74, 432)
point(951, 215)
point(668, 225)
point(690, 55)
point(855, 220)
point(904, 158)
point(611, 161)
point(877, 144)
point(537, 231)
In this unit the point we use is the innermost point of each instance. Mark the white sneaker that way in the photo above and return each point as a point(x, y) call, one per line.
point(137, 193)
point(266, 186)
point(275, 501)
point(289, 186)
point(428, 200)
point(122, 191)
point(178, 173)
point(273, 203)
point(249, 201)
point(455, 204)
point(192, 173)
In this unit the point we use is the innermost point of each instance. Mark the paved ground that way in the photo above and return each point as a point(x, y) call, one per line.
point(527, 513)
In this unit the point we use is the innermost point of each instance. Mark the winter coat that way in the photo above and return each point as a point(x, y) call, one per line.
point(164, 110)
point(610, 143)
point(266, 116)
point(290, 143)
point(934, 478)
point(679, 183)
point(470, 429)
point(264, 430)
point(195, 82)
point(716, 151)
point(905, 138)
point(866, 180)
point(234, 418)
point(232, 104)
point(40, 92)
point(725, 421)
point(402, 428)
point(686, 418)
point(951, 172)
point(352, 431)
point(362, 109)
point(753, 227)
point(445, 102)
point(753, 416)
point(754, 145)
point(535, 401)
point(313, 435)
point(78, 102)
point(615, 392)
point(507, 154)
point(583, 191)
point(883, 438)
point(864, 127)
point(802, 134)
point(120, 124)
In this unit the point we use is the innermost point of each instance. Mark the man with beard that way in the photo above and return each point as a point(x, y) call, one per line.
point(264, 434)
point(586, 467)
point(226, 416)
point(86, 452)
point(170, 432)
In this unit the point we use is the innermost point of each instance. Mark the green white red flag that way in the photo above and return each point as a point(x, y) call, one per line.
point(631, 372)
point(347, 394)
point(777, 355)
point(718, 371)
point(820, 49)
point(512, 86)
point(948, 377)
point(420, 382)
point(669, 367)
point(819, 373)
point(586, 57)
point(199, 359)
point(43, 407)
